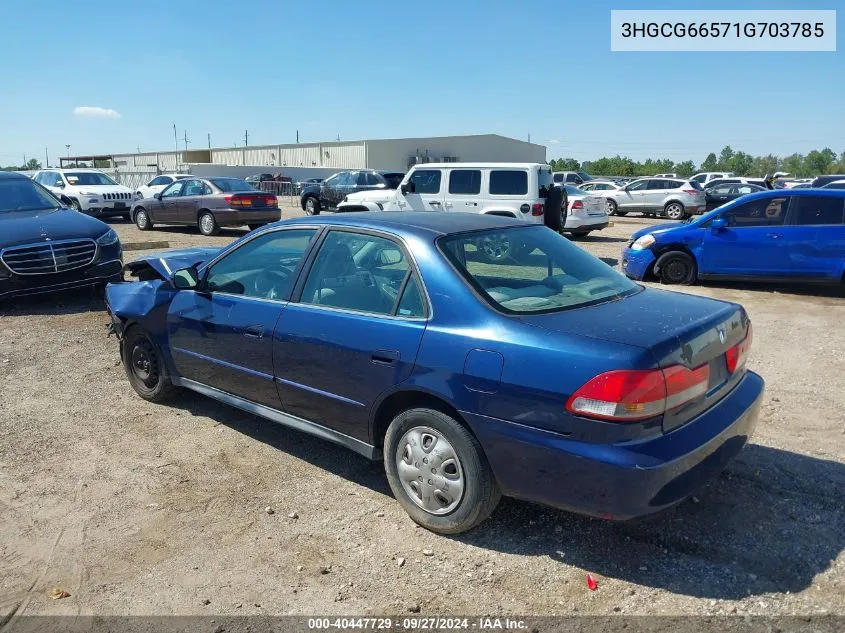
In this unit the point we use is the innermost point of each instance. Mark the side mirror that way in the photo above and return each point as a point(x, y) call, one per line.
point(408, 187)
point(59, 185)
point(719, 224)
point(157, 196)
point(186, 279)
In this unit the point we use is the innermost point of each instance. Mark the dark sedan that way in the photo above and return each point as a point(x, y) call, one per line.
point(722, 194)
point(329, 193)
point(46, 247)
point(207, 203)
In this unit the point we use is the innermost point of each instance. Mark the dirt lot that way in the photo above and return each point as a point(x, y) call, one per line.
point(135, 508)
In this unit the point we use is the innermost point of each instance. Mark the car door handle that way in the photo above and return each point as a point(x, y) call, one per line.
point(472, 204)
point(434, 203)
point(254, 331)
point(385, 357)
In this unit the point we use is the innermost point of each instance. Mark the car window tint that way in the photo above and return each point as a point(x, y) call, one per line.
point(174, 190)
point(358, 272)
point(262, 267)
point(22, 194)
point(532, 269)
point(657, 184)
point(206, 190)
point(722, 190)
point(192, 188)
point(371, 179)
point(160, 180)
point(508, 183)
point(465, 181)
point(411, 304)
point(808, 210)
point(426, 180)
point(744, 189)
point(559, 177)
point(638, 185)
point(763, 212)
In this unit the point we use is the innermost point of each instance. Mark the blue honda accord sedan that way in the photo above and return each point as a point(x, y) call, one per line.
point(546, 376)
point(794, 235)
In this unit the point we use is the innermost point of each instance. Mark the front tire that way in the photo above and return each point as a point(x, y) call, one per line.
point(612, 207)
point(207, 224)
point(311, 206)
point(145, 367)
point(677, 267)
point(142, 220)
point(438, 472)
point(674, 211)
point(75, 204)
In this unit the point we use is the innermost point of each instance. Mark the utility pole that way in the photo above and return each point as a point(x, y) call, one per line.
point(186, 140)
point(175, 138)
point(297, 137)
point(24, 161)
point(67, 147)
point(209, 141)
point(338, 138)
point(246, 138)
point(46, 157)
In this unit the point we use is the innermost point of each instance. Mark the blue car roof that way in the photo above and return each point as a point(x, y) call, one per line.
point(420, 223)
point(12, 175)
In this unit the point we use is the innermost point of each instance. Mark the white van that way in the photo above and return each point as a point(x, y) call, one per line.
point(509, 189)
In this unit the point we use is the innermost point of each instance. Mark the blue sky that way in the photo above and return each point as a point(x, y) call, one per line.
point(369, 70)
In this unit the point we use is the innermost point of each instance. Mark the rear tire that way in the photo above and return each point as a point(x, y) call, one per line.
point(448, 491)
point(496, 248)
point(674, 211)
point(145, 368)
point(612, 208)
point(75, 204)
point(142, 220)
point(207, 224)
point(677, 267)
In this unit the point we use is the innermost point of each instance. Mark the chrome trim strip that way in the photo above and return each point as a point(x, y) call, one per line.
point(51, 246)
point(217, 361)
point(285, 419)
point(320, 392)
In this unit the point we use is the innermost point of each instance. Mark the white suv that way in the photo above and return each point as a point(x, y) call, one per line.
point(509, 189)
point(89, 190)
point(672, 198)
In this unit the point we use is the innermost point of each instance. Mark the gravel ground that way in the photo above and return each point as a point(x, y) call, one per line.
point(135, 508)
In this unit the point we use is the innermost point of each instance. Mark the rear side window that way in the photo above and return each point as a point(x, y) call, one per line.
point(765, 212)
point(508, 183)
point(808, 210)
point(426, 180)
point(657, 184)
point(465, 181)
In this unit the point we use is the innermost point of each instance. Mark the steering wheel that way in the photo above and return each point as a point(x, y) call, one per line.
point(271, 281)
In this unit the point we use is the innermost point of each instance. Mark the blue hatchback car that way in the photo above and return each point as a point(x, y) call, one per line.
point(545, 376)
point(787, 235)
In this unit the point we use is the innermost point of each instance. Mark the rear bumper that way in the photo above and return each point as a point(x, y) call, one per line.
point(233, 217)
point(585, 224)
point(99, 273)
point(620, 481)
point(636, 264)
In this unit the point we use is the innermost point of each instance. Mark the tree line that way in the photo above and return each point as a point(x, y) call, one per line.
point(816, 162)
point(31, 165)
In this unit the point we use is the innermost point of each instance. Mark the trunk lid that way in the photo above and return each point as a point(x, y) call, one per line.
point(678, 329)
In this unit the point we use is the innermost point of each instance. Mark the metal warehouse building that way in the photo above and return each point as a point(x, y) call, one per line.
point(387, 154)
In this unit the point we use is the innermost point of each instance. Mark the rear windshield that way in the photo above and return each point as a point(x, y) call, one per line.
point(532, 270)
point(695, 185)
point(227, 185)
point(90, 178)
point(21, 194)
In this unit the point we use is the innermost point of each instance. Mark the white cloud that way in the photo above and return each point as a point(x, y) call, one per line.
point(553, 141)
point(96, 112)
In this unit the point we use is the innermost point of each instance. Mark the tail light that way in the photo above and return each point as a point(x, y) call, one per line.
point(537, 208)
point(692, 192)
point(249, 200)
point(577, 204)
point(632, 395)
point(738, 354)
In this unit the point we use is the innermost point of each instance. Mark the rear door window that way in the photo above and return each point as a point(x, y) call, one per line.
point(811, 210)
point(657, 183)
point(508, 183)
point(465, 182)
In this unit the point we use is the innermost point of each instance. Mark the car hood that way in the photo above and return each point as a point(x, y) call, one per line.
point(168, 262)
point(22, 227)
point(101, 188)
point(656, 229)
point(372, 195)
